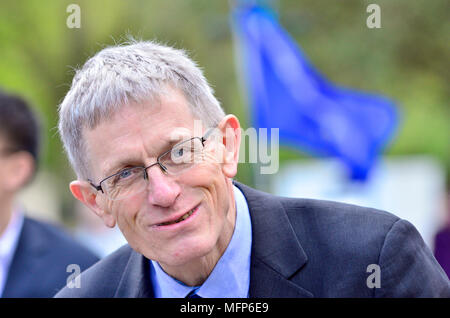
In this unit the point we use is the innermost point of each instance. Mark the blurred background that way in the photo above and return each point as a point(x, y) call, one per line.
point(405, 60)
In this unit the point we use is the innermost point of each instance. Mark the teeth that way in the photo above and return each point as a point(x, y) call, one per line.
point(184, 217)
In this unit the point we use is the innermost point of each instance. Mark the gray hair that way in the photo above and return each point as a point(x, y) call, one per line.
point(131, 72)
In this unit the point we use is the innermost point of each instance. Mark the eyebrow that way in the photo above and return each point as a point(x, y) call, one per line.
point(119, 165)
point(129, 161)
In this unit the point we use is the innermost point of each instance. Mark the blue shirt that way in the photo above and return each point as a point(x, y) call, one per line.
point(230, 277)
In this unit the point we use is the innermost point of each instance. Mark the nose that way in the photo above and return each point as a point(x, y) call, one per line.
point(163, 190)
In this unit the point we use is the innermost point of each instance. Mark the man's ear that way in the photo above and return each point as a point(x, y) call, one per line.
point(231, 132)
point(85, 193)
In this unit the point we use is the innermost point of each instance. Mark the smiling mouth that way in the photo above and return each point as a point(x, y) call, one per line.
point(182, 218)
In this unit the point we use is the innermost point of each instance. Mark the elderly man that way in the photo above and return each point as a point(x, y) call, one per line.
point(130, 126)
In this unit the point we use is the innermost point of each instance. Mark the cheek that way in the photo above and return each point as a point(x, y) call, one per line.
point(126, 214)
point(208, 177)
point(207, 173)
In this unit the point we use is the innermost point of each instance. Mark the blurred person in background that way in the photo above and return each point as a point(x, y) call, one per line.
point(34, 256)
point(192, 230)
point(442, 240)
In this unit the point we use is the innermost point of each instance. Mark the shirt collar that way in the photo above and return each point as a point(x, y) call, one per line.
point(230, 277)
point(10, 236)
point(8, 243)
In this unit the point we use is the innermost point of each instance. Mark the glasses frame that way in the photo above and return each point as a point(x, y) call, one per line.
point(158, 161)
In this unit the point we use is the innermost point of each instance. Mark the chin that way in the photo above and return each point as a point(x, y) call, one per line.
point(187, 253)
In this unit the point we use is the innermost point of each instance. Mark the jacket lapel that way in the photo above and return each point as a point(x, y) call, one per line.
point(29, 250)
point(135, 281)
point(276, 252)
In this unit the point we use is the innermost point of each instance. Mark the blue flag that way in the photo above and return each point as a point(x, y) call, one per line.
point(312, 114)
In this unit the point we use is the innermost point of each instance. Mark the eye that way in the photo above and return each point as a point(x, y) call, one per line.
point(124, 174)
point(179, 152)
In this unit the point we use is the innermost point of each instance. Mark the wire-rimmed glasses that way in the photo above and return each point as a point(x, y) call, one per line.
point(133, 180)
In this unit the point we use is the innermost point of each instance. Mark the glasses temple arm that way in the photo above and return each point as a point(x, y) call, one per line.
point(207, 134)
point(97, 187)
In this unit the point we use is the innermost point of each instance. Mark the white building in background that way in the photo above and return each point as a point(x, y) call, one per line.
point(411, 187)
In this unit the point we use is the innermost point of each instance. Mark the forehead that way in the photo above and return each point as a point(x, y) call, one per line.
point(137, 132)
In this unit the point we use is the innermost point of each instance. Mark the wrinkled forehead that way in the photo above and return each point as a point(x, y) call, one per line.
point(170, 106)
point(139, 131)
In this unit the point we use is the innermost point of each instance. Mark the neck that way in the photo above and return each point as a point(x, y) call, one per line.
point(196, 272)
point(6, 210)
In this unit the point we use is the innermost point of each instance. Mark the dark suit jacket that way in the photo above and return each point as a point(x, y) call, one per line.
point(39, 264)
point(302, 248)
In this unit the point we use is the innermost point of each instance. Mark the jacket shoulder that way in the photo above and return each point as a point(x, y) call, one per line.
point(322, 212)
point(353, 238)
point(58, 242)
point(337, 213)
point(100, 280)
point(344, 231)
